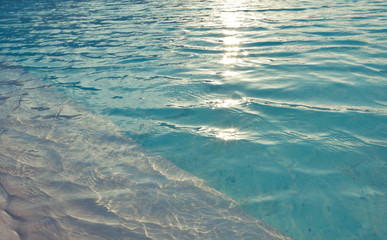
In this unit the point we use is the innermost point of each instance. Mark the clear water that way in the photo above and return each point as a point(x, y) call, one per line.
point(66, 173)
point(281, 105)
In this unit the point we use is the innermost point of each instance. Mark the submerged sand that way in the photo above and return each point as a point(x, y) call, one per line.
point(66, 173)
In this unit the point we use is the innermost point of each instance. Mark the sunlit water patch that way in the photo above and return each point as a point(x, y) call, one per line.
point(281, 105)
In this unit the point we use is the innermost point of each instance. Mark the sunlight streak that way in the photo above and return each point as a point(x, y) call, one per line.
point(232, 19)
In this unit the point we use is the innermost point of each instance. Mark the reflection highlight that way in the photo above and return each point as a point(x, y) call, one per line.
point(232, 19)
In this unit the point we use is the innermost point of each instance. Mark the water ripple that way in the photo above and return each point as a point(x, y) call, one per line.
point(281, 105)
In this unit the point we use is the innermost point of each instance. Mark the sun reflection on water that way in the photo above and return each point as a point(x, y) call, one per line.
point(227, 103)
point(232, 19)
point(225, 134)
point(228, 134)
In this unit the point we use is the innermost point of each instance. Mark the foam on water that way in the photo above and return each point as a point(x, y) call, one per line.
point(281, 105)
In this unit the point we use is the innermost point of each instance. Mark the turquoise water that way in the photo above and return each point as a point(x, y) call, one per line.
point(280, 105)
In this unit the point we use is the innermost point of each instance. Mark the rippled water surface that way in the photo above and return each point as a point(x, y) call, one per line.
point(281, 105)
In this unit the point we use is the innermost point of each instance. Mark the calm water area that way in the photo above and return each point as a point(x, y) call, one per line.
point(280, 105)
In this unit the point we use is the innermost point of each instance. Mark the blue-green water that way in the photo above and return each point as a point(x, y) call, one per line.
point(280, 105)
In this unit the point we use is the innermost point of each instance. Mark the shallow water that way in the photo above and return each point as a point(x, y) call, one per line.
point(68, 174)
point(280, 105)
